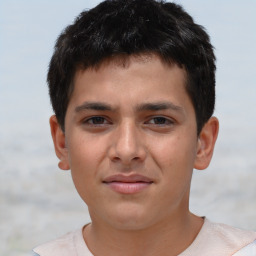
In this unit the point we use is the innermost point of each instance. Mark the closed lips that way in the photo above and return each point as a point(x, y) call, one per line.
point(128, 179)
point(128, 184)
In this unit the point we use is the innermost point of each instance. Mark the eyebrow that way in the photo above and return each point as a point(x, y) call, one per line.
point(93, 106)
point(159, 106)
point(156, 106)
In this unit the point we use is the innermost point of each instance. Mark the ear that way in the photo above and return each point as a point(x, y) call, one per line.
point(206, 143)
point(58, 137)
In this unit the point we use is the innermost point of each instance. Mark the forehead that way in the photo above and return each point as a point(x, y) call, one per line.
point(138, 77)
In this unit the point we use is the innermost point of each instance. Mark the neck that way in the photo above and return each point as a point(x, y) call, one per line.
point(166, 238)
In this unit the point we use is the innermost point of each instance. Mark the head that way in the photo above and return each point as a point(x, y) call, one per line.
point(132, 87)
point(124, 28)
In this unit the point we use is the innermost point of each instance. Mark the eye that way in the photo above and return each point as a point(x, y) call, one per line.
point(96, 120)
point(159, 120)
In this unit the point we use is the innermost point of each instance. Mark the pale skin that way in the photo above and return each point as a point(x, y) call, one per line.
point(128, 120)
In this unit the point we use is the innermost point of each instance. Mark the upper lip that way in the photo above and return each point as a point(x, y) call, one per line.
point(127, 178)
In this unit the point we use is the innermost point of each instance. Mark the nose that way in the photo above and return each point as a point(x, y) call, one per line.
point(127, 146)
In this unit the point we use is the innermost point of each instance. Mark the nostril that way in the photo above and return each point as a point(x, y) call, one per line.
point(116, 158)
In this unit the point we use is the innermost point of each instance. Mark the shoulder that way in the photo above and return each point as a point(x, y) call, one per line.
point(71, 244)
point(237, 241)
point(62, 246)
point(248, 250)
point(220, 239)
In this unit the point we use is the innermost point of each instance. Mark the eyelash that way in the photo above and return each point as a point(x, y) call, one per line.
point(101, 121)
point(161, 119)
point(90, 121)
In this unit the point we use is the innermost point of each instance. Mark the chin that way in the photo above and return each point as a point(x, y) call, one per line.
point(131, 218)
point(128, 224)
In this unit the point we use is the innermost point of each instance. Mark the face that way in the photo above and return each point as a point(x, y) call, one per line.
point(131, 142)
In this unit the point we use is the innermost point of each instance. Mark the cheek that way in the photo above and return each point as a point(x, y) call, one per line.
point(85, 153)
point(174, 154)
point(85, 158)
point(175, 157)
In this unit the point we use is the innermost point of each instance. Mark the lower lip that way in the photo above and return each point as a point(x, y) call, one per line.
point(128, 187)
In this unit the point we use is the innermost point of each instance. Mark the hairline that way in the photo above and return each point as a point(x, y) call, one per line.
point(122, 60)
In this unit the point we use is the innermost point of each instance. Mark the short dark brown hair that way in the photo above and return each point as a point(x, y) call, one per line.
point(131, 27)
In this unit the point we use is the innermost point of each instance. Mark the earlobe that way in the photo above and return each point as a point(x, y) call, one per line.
point(58, 138)
point(206, 143)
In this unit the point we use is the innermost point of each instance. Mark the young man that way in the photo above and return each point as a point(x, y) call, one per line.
point(132, 84)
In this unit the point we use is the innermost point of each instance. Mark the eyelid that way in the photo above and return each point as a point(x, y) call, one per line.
point(170, 121)
point(87, 120)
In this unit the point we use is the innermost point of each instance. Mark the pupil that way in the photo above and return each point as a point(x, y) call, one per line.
point(159, 120)
point(98, 120)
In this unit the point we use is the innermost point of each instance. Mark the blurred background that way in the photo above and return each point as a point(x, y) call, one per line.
point(38, 202)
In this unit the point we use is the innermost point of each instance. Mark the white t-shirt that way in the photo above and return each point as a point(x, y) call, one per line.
point(213, 240)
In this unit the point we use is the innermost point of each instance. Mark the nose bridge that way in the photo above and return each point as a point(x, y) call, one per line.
point(127, 144)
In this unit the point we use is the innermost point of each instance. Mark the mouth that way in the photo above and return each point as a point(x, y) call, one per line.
point(130, 184)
